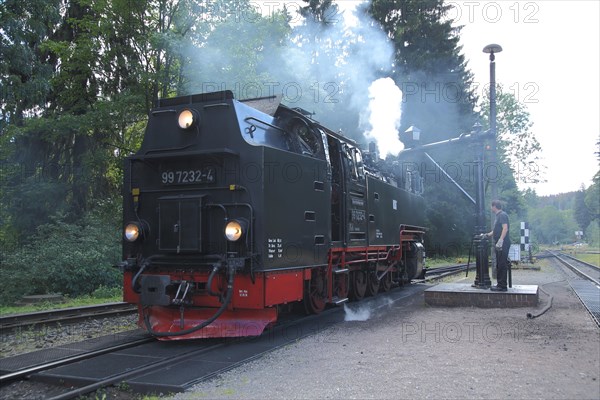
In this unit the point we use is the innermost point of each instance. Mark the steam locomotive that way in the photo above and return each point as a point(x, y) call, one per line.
point(234, 211)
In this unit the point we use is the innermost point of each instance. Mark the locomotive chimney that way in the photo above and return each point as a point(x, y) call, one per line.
point(373, 151)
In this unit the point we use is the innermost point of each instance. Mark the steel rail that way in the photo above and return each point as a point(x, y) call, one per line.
point(64, 314)
point(145, 369)
point(22, 373)
point(587, 264)
point(575, 269)
point(442, 272)
point(132, 373)
point(582, 296)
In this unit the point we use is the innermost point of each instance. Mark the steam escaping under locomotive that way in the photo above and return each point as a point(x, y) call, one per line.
point(234, 211)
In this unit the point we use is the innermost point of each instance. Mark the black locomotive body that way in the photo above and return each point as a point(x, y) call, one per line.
point(233, 209)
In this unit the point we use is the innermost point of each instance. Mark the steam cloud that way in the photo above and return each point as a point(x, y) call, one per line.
point(338, 70)
point(361, 313)
point(384, 112)
point(366, 309)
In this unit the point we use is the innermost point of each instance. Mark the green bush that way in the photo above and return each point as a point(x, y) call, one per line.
point(69, 258)
point(105, 292)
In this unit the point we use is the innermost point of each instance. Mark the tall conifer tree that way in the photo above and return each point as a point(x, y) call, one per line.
point(430, 70)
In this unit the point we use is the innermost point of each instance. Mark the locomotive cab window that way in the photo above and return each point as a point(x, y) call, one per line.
point(303, 139)
point(285, 130)
point(358, 162)
point(354, 159)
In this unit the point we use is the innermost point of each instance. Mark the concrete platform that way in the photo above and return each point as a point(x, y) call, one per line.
point(463, 295)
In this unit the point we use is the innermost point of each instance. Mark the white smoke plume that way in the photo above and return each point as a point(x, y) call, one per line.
point(332, 69)
point(364, 310)
point(384, 112)
point(361, 57)
point(360, 313)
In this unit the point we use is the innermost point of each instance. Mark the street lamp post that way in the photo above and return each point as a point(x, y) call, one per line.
point(492, 49)
point(480, 240)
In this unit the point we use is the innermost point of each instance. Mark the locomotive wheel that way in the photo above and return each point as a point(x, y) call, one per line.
point(386, 282)
point(358, 284)
point(372, 283)
point(315, 292)
point(341, 285)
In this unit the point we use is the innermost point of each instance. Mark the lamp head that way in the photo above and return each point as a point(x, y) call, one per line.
point(492, 49)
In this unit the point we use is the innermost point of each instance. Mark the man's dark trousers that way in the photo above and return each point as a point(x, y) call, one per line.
point(502, 265)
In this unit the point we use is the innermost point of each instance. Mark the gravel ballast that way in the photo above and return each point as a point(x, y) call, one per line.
point(25, 340)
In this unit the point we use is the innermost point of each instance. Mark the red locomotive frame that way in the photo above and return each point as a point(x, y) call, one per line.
point(255, 305)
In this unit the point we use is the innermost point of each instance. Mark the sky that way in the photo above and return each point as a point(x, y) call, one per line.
point(550, 62)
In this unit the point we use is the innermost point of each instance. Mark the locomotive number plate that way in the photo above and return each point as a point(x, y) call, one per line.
point(188, 176)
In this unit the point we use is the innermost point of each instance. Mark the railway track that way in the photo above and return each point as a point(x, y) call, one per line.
point(583, 268)
point(147, 376)
point(151, 366)
point(441, 272)
point(72, 314)
point(586, 283)
point(75, 314)
point(24, 372)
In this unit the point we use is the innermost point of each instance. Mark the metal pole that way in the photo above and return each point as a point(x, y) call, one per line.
point(493, 100)
point(493, 158)
point(482, 279)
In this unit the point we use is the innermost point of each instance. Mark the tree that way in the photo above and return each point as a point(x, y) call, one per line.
point(437, 87)
point(550, 225)
point(319, 11)
point(592, 194)
point(438, 98)
point(246, 66)
point(518, 146)
point(26, 75)
point(79, 77)
point(25, 26)
point(581, 211)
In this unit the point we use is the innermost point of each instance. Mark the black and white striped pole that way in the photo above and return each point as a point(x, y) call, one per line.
point(525, 241)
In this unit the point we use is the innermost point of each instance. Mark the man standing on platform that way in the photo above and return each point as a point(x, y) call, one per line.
point(501, 241)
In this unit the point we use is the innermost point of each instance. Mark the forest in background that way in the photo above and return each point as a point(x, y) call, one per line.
point(78, 78)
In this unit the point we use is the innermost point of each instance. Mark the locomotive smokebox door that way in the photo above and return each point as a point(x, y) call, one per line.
point(180, 223)
point(154, 290)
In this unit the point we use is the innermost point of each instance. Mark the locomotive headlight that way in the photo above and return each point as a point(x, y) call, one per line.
point(235, 229)
point(187, 119)
point(132, 232)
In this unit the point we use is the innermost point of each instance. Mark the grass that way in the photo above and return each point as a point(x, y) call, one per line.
point(585, 253)
point(589, 258)
point(89, 300)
